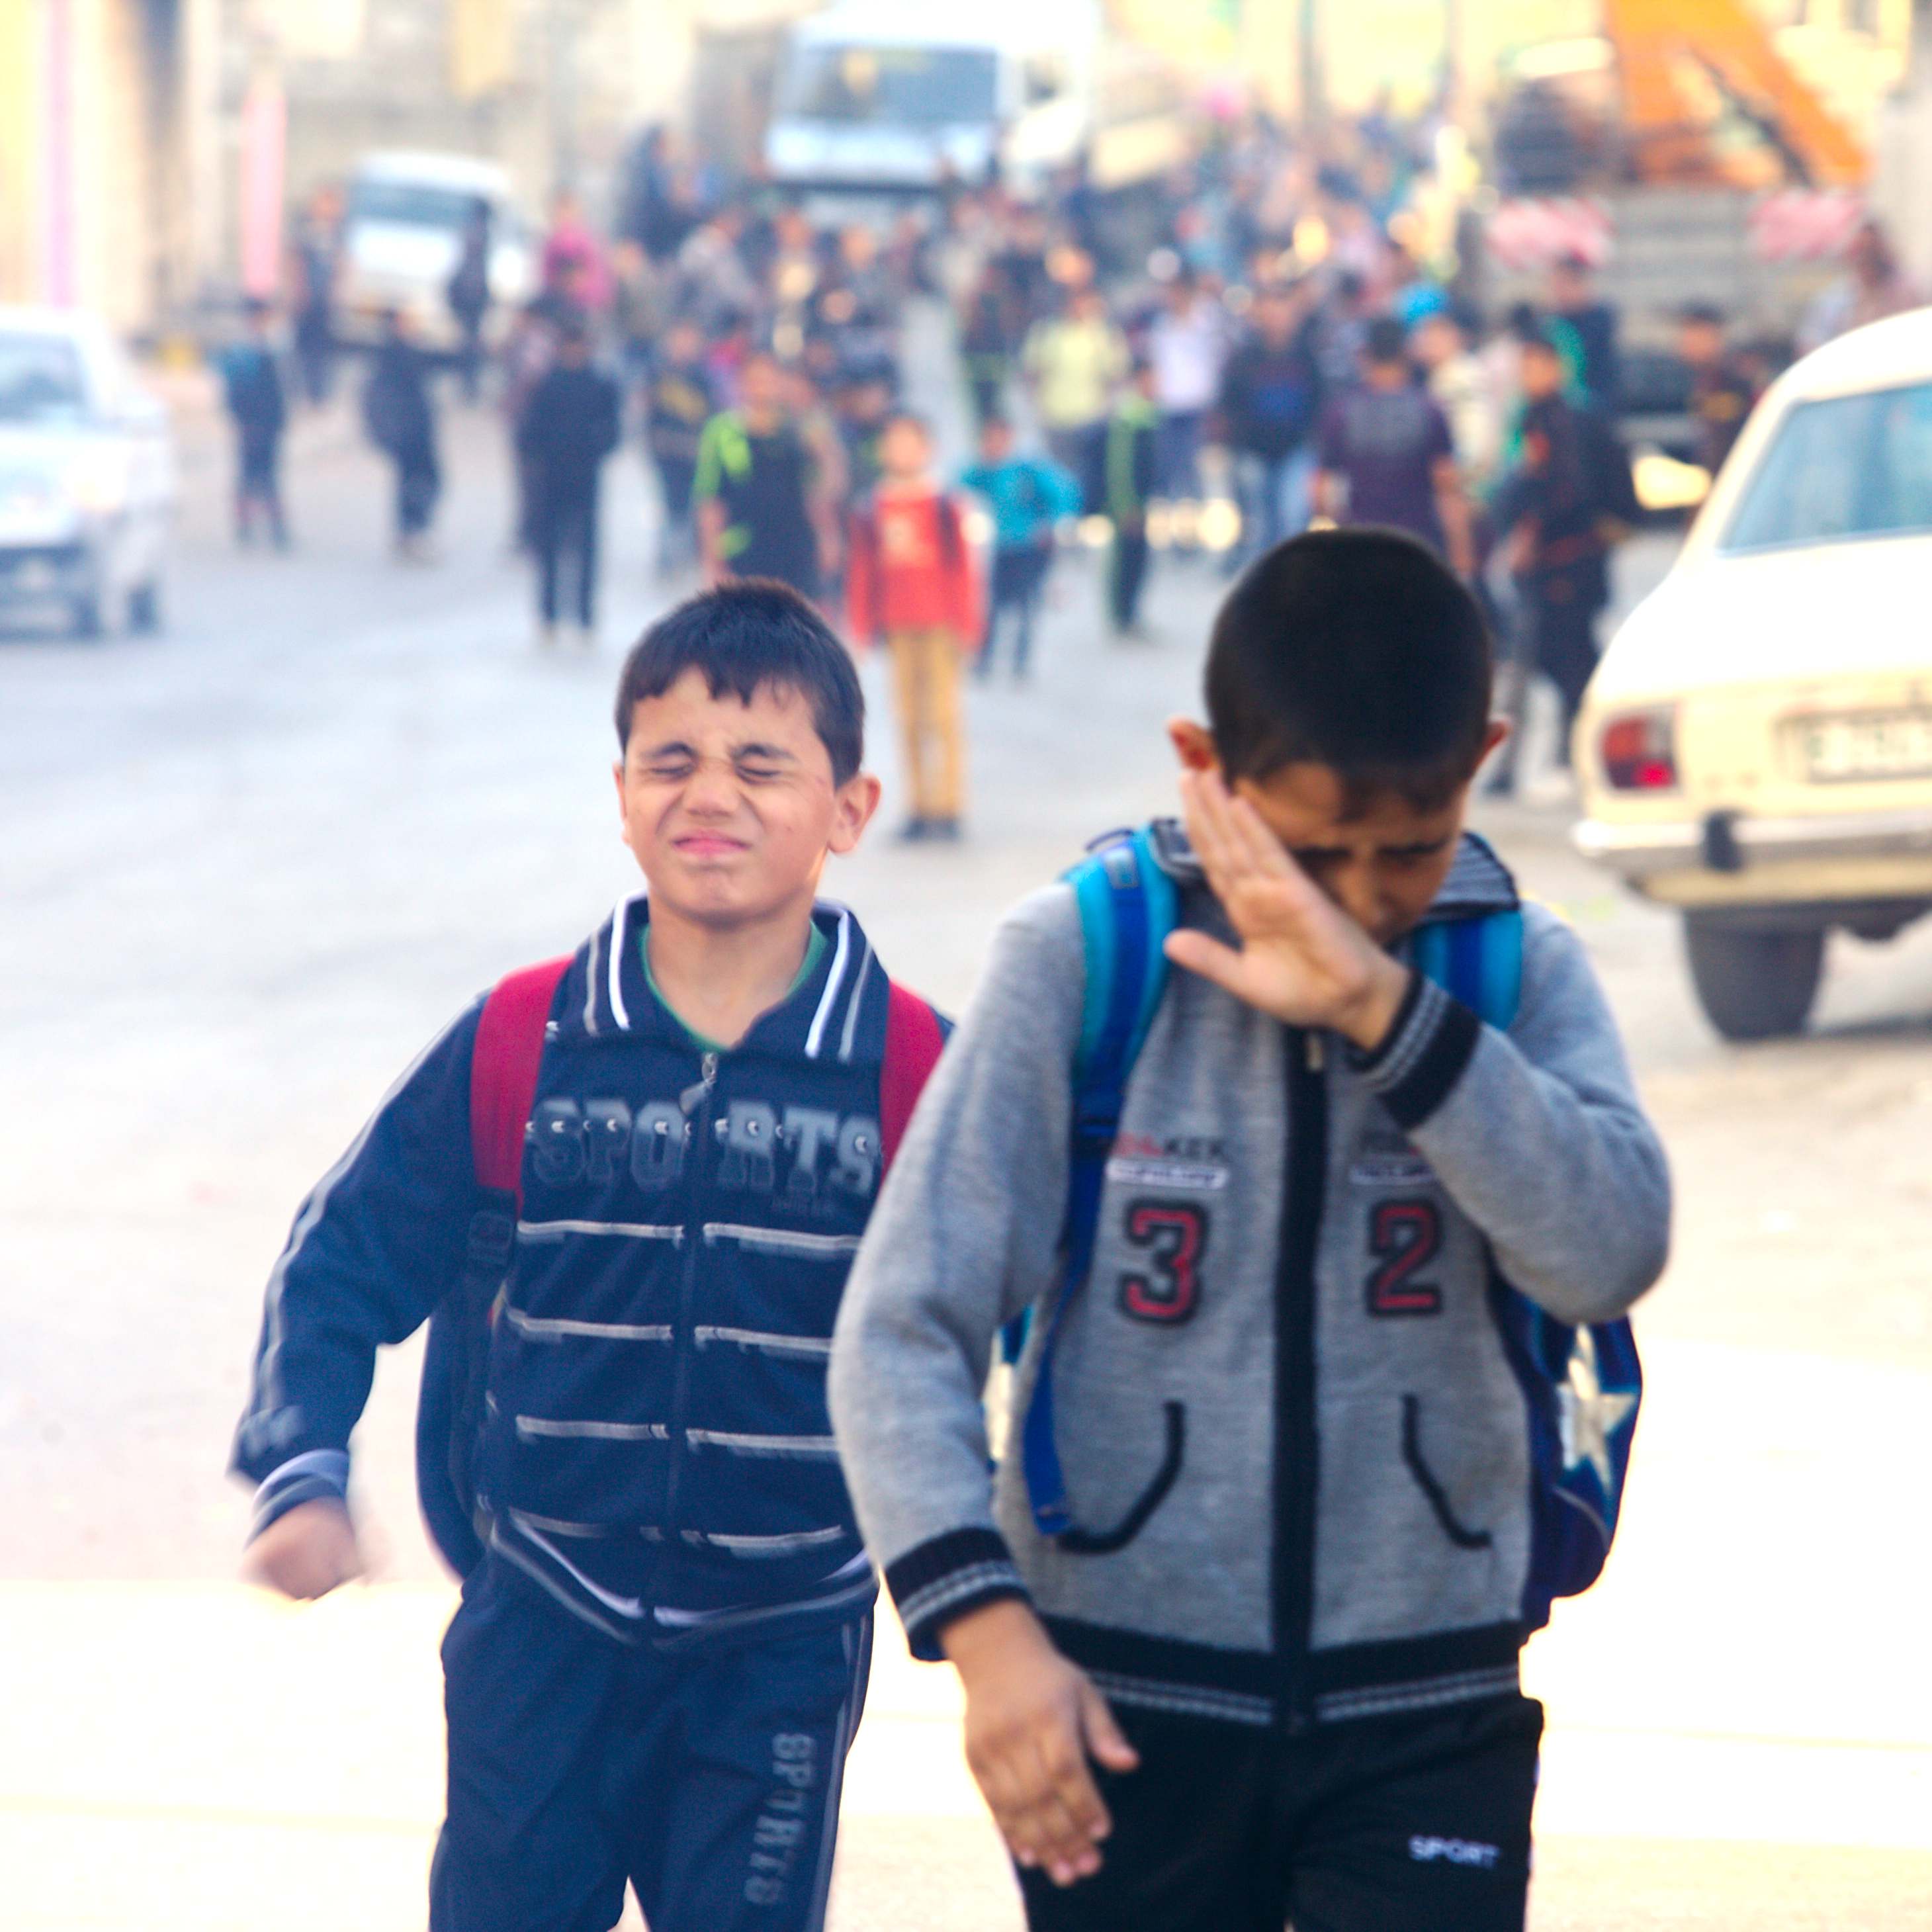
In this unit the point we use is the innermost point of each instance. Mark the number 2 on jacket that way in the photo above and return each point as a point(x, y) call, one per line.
point(1405, 1236)
point(1174, 1234)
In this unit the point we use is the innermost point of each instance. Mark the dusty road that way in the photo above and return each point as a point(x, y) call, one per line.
point(247, 868)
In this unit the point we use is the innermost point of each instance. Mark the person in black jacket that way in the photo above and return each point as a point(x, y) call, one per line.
point(468, 295)
point(571, 424)
point(1554, 513)
point(1591, 324)
point(678, 399)
point(1132, 474)
point(1271, 401)
point(658, 1663)
point(254, 387)
point(401, 419)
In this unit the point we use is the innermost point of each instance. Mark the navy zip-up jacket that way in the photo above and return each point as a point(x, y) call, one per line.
point(657, 1452)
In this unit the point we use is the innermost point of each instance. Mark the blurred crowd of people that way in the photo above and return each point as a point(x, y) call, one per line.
point(1194, 372)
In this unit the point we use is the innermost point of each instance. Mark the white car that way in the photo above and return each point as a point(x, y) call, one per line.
point(87, 475)
point(1756, 749)
point(402, 237)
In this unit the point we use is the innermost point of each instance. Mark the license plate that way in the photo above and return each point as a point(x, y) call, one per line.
point(1887, 745)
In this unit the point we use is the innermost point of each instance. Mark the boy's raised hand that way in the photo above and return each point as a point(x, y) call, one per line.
point(1302, 959)
point(1032, 1719)
point(307, 1552)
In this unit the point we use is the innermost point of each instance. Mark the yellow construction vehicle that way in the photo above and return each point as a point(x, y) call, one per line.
point(1672, 54)
point(1672, 93)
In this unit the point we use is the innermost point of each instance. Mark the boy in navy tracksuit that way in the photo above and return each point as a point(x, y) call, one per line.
point(656, 1670)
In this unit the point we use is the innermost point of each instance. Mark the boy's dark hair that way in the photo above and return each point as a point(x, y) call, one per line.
point(1358, 650)
point(752, 633)
point(1385, 341)
point(1521, 321)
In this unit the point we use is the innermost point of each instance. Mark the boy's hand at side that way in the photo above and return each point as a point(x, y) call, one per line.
point(1032, 1720)
point(308, 1552)
point(1301, 959)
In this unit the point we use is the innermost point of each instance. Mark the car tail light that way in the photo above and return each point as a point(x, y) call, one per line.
point(1640, 751)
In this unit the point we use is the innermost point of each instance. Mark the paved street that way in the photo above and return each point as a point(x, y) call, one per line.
point(249, 867)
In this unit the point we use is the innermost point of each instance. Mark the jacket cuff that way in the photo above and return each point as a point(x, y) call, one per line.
point(1415, 1068)
point(322, 1475)
point(940, 1581)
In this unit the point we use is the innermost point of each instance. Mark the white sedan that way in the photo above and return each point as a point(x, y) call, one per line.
point(87, 475)
point(1756, 749)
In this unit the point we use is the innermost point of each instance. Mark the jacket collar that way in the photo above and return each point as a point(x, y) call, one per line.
point(837, 1016)
point(1478, 883)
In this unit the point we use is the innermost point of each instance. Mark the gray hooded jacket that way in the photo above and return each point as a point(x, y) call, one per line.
point(1284, 1407)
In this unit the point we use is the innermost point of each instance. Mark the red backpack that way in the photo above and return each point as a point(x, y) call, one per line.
point(503, 1069)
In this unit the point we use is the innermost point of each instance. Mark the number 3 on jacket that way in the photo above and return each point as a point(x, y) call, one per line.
point(1174, 1234)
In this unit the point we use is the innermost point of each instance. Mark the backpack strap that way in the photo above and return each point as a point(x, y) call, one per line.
point(504, 1062)
point(952, 532)
point(1128, 906)
point(1477, 961)
point(503, 1073)
point(915, 1038)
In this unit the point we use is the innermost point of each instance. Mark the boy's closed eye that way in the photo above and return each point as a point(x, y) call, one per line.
point(1321, 858)
point(754, 764)
point(762, 764)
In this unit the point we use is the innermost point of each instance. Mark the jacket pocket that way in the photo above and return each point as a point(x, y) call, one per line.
point(1416, 1463)
point(1081, 1542)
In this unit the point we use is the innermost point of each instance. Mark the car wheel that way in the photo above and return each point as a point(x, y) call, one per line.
point(144, 607)
point(1754, 985)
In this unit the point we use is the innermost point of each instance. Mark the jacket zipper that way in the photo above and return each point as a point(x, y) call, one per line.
point(694, 1237)
point(1297, 1467)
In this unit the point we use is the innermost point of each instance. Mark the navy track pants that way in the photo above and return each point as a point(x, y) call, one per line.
point(708, 1778)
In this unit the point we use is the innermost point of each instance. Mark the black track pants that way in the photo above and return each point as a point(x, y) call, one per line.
point(1413, 1823)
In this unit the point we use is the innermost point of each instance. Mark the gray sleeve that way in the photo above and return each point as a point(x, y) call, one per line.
point(963, 1237)
point(1537, 1134)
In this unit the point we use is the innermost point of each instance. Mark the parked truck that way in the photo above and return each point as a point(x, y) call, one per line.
point(875, 97)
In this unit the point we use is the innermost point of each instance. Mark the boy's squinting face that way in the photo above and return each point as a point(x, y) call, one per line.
point(731, 809)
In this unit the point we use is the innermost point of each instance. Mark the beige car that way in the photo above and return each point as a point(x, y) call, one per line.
point(1756, 749)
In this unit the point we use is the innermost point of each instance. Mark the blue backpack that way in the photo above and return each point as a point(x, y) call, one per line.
point(1583, 1385)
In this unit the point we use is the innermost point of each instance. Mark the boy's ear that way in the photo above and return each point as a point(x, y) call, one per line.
point(1500, 729)
point(853, 807)
point(623, 815)
point(1192, 745)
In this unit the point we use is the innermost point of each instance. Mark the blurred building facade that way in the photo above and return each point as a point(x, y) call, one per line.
point(97, 128)
point(149, 148)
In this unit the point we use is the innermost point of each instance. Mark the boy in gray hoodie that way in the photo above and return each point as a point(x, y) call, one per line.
point(1270, 1671)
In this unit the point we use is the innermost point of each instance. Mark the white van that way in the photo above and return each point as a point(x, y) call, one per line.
point(877, 96)
point(402, 237)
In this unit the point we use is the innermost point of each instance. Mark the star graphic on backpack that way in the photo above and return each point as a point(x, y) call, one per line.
point(1590, 1413)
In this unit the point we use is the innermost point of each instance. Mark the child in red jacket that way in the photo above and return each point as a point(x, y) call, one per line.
point(912, 582)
